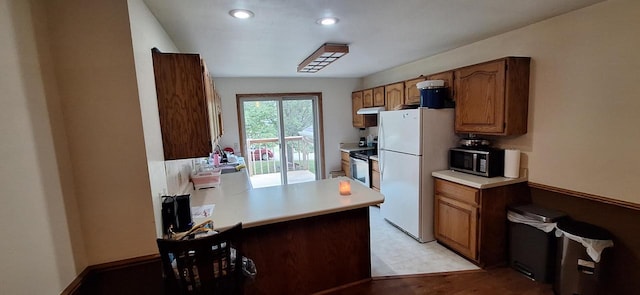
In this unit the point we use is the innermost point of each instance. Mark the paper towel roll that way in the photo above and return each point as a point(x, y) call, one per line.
point(511, 163)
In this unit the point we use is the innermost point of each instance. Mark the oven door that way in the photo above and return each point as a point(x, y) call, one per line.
point(360, 170)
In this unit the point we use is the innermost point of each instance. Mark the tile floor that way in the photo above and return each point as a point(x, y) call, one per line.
point(395, 253)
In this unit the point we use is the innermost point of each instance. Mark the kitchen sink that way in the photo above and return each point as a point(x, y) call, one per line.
point(226, 170)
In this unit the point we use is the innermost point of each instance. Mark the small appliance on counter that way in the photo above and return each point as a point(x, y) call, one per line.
point(362, 142)
point(476, 156)
point(176, 213)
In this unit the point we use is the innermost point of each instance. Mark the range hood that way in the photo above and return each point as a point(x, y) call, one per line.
point(370, 111)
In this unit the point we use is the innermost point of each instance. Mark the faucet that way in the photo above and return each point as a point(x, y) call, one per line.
point(223, 155)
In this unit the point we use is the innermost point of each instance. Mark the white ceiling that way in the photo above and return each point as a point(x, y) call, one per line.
point(381, 33)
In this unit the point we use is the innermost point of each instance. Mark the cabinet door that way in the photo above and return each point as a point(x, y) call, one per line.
point(412, 93)
point(378, 96)
point(480, 98)
point(447, 77)
point(218, 112)
point(346, 166)
point(211, 103)
point(456, 225)
point(356, 104)
point(361, 121)
point(394, 94)
point(375, 175)
point(367, 98)
point(183, 107)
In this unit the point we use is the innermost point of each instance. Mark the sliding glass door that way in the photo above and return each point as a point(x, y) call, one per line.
point(280, 141)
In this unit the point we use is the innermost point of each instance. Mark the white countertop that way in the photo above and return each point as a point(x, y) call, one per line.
point(374, 157)
point(235, 201)
point(474, 180)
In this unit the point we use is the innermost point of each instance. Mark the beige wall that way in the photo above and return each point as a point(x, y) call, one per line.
point(583, 122)
point(94, 61)
point(336, 100)
point(42, 248)
point(147, 33)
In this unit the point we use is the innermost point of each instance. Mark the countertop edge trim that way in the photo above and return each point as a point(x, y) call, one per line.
point(508, 181)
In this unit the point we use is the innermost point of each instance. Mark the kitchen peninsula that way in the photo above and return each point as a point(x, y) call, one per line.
point(303, 238)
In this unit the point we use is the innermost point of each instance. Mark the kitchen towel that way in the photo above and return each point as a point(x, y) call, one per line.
point(511, 163)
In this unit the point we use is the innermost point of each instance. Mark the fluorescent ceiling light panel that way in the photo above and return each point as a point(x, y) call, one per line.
point(325, 55)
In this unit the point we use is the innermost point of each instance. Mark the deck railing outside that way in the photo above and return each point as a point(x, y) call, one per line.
point(264, 155)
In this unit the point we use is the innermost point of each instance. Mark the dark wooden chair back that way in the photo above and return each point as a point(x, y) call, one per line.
point(207, 265)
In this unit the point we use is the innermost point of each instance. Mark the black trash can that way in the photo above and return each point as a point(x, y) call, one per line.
point(532, 244)
point(581, 259)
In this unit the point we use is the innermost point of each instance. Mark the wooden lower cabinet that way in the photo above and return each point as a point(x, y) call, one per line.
point(309, 255)
point(456, 225)
point(473, 222)
point(346, 165)
point(375, 175)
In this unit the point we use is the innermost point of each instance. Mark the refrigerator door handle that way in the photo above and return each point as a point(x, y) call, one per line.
point(381, 166)
point(380, 133)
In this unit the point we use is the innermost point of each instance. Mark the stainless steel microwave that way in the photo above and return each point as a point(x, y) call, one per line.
point(487, 162)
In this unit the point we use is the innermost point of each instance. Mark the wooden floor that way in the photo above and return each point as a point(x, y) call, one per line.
point(145, 278)
point(500, 281)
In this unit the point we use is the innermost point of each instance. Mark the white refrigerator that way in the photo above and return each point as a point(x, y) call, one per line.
point(412, 143)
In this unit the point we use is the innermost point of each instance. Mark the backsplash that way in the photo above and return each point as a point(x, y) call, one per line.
point(178, 172)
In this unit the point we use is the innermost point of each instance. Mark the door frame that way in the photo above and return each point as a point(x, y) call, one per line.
point(319, 120)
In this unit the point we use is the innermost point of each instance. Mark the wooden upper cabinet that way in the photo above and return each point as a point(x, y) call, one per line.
point(361, 121)
point(356, 104)
point(184, 104)
point(492, 98)
point(216, 112)
point(367, 98)
point(214, 102)
point(394, 94)
point(412, 93)
point(378, 96)
point(447, 77)
point(211, 103)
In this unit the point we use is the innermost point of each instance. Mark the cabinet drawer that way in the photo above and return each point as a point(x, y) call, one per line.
point(345, 156)
point(457, 191)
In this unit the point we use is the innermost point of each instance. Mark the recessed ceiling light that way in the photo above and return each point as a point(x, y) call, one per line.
point(327, 21)
point(241, 13)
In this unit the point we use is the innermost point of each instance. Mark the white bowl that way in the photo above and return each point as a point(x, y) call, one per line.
point(430, 84)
